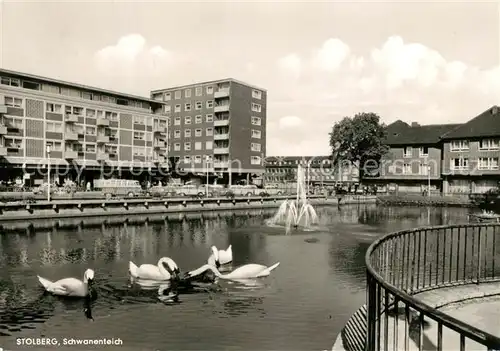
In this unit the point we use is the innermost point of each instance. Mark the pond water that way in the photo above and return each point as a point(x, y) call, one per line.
point(303, 305)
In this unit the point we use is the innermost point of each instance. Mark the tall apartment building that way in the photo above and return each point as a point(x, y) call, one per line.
point(217, 126)
point(86, 129)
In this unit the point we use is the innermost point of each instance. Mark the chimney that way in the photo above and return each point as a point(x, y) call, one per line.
point(415, 124)
point(494, 110)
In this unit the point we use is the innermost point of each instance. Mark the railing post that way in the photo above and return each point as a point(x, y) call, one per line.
point(479, 255)
point(371, 315)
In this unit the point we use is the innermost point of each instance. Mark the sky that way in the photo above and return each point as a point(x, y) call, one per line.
point(426, 62)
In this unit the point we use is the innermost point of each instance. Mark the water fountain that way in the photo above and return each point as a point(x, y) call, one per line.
point(296, 213)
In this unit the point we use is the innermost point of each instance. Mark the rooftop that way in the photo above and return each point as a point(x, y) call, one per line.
point(206, 83)
point(487, 124)
point(401, 133)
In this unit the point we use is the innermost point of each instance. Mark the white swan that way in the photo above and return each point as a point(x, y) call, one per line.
point(69, 286)
point(223, 256)
point(247, 271)
point(166, 269)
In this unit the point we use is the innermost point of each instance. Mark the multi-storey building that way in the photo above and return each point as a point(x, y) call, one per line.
point(471, 154)
point(82, 131)
point(217, 126)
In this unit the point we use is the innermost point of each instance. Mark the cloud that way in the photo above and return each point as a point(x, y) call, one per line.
point(291, 64)
point(331, 55)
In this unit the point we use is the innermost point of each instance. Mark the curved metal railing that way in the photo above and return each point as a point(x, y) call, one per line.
point(402, 264)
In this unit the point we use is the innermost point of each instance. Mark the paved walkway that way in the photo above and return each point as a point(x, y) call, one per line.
point(478, 305)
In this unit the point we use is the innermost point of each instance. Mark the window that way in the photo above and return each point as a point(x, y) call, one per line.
point(256, 121)
point(54, 127)
point(14, 102)
point(54, 145)
point(197, 145)
point(209, 118)
point(13, 143)
point(90, 113)
point(55, 108)
point(14, 82)
point(111, 149)
point(210, 132)
point(423, 169)
point(112, 133)
point(177, 108)
point(73, 110)
point(198, 105)
point(197, 159)
point(488, 144)
point(199, 91)
point(178, 95)
point(256, 134)
point(177, 134)
point(210, 103)
point(90, 130)
point(187, 106)
point(187, 93)
point(209, 145)
point(187, 133)
point(139, 151)
point(167, 96)
point(168, 108)
point(198, 119)
point(488, 163)
point(256, 107)
point(257, 94)
point(187, 159)
point(255, 160)
point(424, 151)
point(255, 147)
point(407, 151)
point(177, 121)
point(90, 148)
point(459, 145)
point(406, 168)
point(210, 90)
point(177, 147)
point(138, 120)
point(197, 132)
point(459, 163)
point(187, 146)
point(187, 120)
point(139, 135)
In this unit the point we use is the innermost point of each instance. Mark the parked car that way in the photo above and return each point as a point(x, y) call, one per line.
point(190, 190)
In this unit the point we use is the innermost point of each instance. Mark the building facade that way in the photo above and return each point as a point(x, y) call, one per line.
point(82, 131)
point(217, 126)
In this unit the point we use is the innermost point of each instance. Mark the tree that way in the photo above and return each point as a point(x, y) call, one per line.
point(359, 140)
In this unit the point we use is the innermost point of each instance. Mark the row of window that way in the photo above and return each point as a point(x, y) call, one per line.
point(483, 163)
point(256, 134)
point(423, 151)
point(209, 118)
point(197, 146)
point(198, 105)
point(296, 162)
point(484, 144)
point(209, 90)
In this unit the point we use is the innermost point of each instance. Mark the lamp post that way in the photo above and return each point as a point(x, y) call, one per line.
point(429, 180)
point(207, 158)
point(48, 173)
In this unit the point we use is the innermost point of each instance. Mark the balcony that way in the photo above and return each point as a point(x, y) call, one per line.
point(221, 150)
point(221, 164)
point(102, 156)
point(71, 118)
point(3, 109)
point(159, 129)
point(221, 108)
point(159, 144)
point(103, 139)
point(221, 122)
point(221, 136)
point(70, 136)
point(102, 122)
point(3, 151)
point(3, 129)
point(70, 154)
point(221, 93)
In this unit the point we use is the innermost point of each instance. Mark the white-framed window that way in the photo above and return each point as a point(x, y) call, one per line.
point(187, 93)
point(257, 94)
point(177, 108)
point(168, 108)
point(90, 130)
point(256, 107)
point(187, 159)
point(90, 148)
point(13, 122)
point(167, 96)
point(177, 147)
point(209, 145)
point(210, 90)
point(197, 159)
point(255, 160)
point(55, 108)
point(459, 163)
point(177, 121)
point(198, 105)
point(13, 142)
point(489, 144)
point(14, 82)
point(209, 132)
point(139, 135)
point(139, 120)
point(177, 134)
point(54, 127)
point(210, 104)
point(75, 110)
point(13, 101)
point(198, 132)
point(198, 119)
point(54, 145)
point(407, 168)
point(197, 145)
point(256, 134)
point(488, 163)
point(459, 145)
point(112, 133)
point(187, 146)
point(177, 95)
point(187, 133)
point(407, 151)
point(255, 147)
point(90, 113)
point(424, 151)
point(187, 119)
point(423, 169)
point(209, 118)
point(139, 151)
point(187, 106)
point(256, 121)
point(199, 91)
